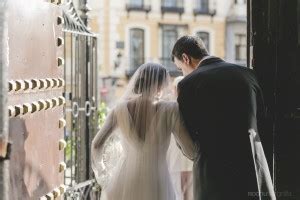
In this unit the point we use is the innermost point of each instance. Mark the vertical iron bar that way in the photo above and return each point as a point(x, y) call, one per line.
point(77, 156)
point(97, 86)
point(71, 106)
point(82, 116)
point(87, 118)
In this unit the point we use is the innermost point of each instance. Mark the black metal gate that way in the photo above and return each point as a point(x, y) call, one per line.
point(81, 104)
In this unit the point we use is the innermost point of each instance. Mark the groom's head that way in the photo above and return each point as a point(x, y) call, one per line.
point(187, 52)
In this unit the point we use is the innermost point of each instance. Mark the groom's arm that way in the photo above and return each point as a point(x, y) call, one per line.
point(185, 104)
point(183, 100)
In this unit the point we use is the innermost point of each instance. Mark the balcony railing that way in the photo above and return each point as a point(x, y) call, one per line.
point(204, 11)
point(173, 9)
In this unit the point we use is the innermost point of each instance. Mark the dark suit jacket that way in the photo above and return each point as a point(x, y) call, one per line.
point(220, 102)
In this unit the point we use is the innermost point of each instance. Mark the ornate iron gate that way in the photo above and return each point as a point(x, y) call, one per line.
point(81, 103)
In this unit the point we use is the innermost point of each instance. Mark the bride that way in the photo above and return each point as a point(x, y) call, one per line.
point(144, 123)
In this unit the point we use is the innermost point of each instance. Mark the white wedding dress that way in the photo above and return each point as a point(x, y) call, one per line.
point(142, 172)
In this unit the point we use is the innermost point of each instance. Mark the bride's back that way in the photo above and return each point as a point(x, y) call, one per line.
point(141, 111)
point(145, 132)
point(146, 125)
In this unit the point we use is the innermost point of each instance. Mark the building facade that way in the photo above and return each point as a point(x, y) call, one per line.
point(236, 33)
point(132, 32)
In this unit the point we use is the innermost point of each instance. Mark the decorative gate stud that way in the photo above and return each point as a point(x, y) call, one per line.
point(35, 98)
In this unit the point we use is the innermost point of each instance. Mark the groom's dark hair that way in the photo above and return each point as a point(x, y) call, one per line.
point(193, 46)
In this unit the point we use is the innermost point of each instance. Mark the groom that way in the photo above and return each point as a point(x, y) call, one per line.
point(221, 104)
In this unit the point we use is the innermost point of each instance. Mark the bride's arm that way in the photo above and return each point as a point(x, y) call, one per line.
point(106, 130)
point(182, 136)
point(100, 138)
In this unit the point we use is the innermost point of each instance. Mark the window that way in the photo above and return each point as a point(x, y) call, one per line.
point(204, 36)
point(202, 5)
point(137, 48)
point(173, 6)
point(202, 8)
point(169, 37)
point(170, 34)
point(137, 3)
point(240, 47)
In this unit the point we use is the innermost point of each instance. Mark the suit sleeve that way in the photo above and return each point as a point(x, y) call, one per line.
point(182, 100)
point(180, 93)
point(185, 104)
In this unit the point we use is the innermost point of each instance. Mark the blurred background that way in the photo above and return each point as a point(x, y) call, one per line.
point(132, 32)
